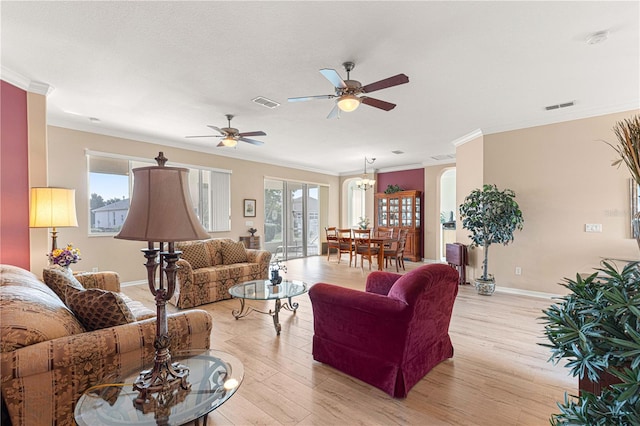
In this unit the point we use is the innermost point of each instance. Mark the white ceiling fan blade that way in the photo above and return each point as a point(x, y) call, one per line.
point(335, 112)
point(216, 129)
point(310, 98)
point(333, 76)
point(251, 141)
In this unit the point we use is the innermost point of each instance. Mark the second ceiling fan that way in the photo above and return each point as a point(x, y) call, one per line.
point(347, 91)
point(231, 136)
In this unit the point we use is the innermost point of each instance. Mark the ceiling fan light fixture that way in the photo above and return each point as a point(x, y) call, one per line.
point(229, 141)
point(348, 103)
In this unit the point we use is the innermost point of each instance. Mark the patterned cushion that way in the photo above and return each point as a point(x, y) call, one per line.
point(97, 308)
point(214, 245)
point(233, 252)
point(195, 253)
point(29, 317)
point(58, 280)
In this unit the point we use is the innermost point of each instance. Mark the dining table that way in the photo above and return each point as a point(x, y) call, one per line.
point(381, 242)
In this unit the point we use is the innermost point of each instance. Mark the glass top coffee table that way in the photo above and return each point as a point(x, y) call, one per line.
point(214, 377)
point(264, 290)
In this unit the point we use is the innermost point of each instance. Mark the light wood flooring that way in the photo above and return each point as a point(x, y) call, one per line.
point(499, 375)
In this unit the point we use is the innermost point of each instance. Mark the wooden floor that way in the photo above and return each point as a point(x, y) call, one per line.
point(498, 375)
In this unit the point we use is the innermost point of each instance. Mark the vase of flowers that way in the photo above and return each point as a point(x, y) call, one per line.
point(63, 257)
point(363, 222)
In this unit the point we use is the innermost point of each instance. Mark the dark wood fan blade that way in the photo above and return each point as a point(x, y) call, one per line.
point(251, 141)
point(310, 98)
point(333, 76)
point(204, 136)
point(387, 82)
point(216, 129)
point(220, 144)
point(256, 133)
point(377, 103)
point(335, 112)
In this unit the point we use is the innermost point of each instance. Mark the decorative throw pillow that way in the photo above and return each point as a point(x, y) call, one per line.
point(196, 254)
point(58, 280)
point(97, 308)
point(233, 252)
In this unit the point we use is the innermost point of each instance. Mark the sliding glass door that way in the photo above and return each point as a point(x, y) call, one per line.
point(292, 226)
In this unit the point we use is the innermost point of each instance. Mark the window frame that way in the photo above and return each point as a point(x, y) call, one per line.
point(218, 221)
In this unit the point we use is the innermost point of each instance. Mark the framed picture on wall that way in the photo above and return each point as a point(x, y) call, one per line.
point(249, 207)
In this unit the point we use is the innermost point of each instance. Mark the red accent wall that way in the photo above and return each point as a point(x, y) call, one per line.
point(14, 177)
point(405, 179)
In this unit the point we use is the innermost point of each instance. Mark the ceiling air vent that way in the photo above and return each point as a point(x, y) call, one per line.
point(261, 100)
point(443, 157)
point(558, 106)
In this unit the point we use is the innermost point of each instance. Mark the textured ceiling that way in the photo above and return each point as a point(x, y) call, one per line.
point(158, 71)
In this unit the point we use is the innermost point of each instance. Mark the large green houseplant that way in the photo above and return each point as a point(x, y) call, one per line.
point(596, 328)
point(491, 216)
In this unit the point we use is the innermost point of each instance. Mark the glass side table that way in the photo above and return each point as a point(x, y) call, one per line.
point(214, 377)
point(265, 290)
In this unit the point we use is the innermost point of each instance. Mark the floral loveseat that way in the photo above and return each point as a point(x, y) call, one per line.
point(209, 268)
point(50, 354)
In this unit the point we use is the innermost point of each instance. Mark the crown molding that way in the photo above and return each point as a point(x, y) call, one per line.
point(467, 138)
point(25, 83)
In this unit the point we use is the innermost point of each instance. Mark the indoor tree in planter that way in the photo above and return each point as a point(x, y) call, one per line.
point(596, 328)
point(491, 216)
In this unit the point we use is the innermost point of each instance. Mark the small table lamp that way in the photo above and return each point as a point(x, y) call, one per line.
point(52, 208)
point(161, 212)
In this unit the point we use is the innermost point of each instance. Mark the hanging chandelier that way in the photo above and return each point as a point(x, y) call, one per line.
point(366, 181)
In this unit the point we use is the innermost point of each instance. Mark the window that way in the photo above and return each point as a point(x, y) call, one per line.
point(355, 204)
point(111, 181)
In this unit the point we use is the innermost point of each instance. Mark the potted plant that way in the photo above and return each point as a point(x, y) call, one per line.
point(491, 216)
point(628, 148)
point(596, 328)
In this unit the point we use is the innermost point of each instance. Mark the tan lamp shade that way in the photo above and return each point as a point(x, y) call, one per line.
point(161, 209)
point(52, 208)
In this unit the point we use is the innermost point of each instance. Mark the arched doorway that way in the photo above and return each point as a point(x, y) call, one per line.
point(448, 209)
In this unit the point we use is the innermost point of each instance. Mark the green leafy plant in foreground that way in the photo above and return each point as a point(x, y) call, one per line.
point(596, 328)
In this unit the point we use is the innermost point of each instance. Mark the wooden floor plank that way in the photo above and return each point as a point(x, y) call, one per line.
point(499, 373)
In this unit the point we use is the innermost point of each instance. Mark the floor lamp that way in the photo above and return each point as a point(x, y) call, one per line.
point(161, 212)
point(52, 208)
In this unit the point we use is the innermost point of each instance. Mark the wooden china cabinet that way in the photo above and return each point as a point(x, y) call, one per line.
point(401, 210)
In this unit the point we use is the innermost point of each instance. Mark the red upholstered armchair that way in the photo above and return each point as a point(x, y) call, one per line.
point(393, 333)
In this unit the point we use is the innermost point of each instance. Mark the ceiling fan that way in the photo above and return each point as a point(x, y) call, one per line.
point(231, 136)
point(347, 91)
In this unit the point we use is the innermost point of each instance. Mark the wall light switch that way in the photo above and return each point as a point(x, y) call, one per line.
point(593, 227)
point(518, 270)
point(248, 223)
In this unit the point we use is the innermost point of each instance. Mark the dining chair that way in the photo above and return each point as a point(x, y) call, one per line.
point(364, 247)
point(345, 240)
point(332, 241)
point(396, 251)
point(384, 231)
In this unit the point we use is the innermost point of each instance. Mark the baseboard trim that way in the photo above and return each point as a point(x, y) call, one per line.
point(530, 293)
point(510, 290)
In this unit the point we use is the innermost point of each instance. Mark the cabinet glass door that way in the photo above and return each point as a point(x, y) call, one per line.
point(394, 212)
point(383, 214)
point(407, 211)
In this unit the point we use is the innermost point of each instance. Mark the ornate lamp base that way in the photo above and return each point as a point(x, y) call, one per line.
point(157, 386)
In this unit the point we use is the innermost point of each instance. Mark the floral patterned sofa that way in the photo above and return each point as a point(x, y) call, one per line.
point(51, 352)
point(208, 268)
